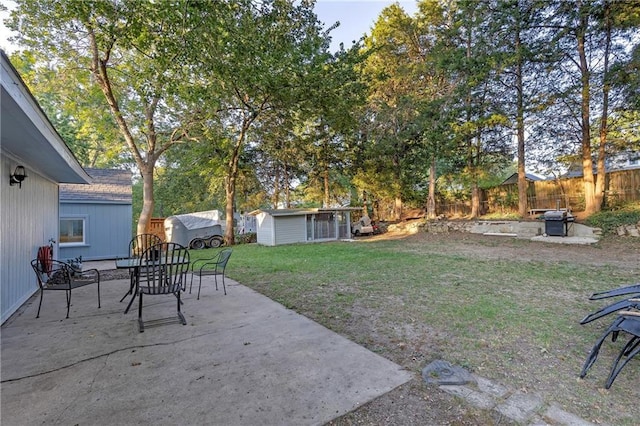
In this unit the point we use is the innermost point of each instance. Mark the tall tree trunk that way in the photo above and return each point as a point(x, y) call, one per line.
point(522, 176)
point(398, 207)
point(325, 178)
point(365, 208)
point(474, 160)
point(587, 162)
point(230, 182)
point(602, 152)
point(230, 192)
point(147, 200)
point(275, 199)
point(475, 199)
point(431, 199)
point(287, 193)
point(471, 160)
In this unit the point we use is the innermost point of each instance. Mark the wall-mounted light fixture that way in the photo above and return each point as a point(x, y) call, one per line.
point(18, 176)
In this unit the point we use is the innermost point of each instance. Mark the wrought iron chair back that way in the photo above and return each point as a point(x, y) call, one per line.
point(163, 270)
point(55, 275)
point(141, 242)
point(212, 266)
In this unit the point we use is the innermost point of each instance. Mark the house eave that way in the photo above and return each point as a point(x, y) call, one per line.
point(28, 137)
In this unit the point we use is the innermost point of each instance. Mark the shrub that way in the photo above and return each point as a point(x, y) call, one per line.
point(608, 220)
point(249, 237)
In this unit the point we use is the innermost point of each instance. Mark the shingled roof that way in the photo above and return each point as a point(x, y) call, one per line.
point(108, 186)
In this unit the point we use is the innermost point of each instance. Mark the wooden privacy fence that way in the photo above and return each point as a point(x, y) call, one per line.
point(156, 227)
point(620, 187)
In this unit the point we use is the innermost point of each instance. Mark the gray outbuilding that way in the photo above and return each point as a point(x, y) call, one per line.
point(287, 226)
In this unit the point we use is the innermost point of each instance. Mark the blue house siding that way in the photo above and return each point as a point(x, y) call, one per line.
point(105, 207)
point(107, 230)
point(29, 212)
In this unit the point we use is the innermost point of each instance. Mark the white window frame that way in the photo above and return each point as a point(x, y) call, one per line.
point(85, 221)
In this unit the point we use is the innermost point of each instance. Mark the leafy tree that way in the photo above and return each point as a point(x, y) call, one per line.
point(269, 59)
point(391, 129)
point(481, 125)
point(84, 123)
point(586, 42)
point(133, 52)
point(517, 24)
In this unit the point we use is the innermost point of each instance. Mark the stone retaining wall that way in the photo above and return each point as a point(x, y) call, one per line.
point(514, 228)
point(629, 230)
point(519, 229)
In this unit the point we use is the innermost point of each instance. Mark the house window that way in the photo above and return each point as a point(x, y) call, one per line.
point(72, 230)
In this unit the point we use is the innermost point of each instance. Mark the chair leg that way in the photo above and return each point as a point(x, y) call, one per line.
point(224, 287)
point(98, 294)
point(68, 301)
point(631, 349)
point(131, 285)
point(182, 319)
point(593, 355)
point(199, 287)
point(40, 304)
point(140, 323)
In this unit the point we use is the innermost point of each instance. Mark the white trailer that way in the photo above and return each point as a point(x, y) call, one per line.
point(196, 230)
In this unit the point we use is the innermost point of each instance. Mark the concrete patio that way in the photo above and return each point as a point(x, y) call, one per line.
point(242, 359)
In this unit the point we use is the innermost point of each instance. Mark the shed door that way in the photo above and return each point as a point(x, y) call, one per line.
point(321, 226)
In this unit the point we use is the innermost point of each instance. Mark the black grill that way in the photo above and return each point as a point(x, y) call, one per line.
point(556, 223)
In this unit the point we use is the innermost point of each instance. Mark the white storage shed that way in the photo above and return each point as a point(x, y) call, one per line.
point(287, 226)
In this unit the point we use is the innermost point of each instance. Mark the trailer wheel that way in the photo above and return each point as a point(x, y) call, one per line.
point(197, 244)
point(214, 242)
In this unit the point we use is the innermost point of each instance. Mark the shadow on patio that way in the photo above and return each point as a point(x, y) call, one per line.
point(241, 359)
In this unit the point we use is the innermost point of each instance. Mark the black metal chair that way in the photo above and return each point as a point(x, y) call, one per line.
point(631, 303)
point(620, 291)
point(55, 275)
point(627, 322)
point(141, 242)
point(213, 266)
point(137, 246)
point(163, 271)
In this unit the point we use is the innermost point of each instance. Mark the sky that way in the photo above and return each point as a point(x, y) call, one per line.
point(356, 18)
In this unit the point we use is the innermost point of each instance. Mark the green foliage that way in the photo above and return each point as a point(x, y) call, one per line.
point(247, 238)
point(609, 220)
point(83, 122)
point(237, 101)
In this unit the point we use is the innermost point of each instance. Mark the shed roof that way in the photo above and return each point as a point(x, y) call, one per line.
point(108, 186)
point(514, 178)
point(300, 212)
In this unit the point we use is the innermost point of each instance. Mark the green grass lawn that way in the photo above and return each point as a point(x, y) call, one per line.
point(514, 321)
